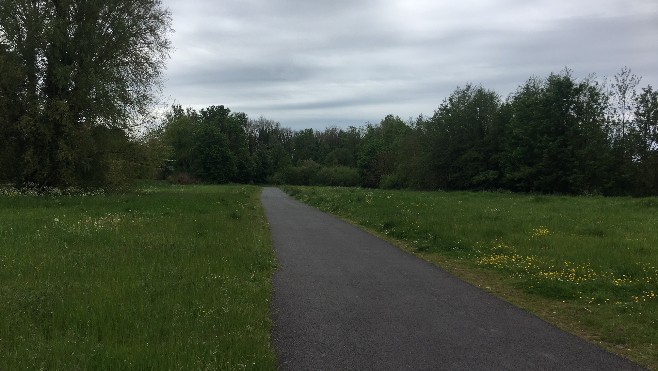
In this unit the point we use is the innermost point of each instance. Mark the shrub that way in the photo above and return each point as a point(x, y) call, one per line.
point(298, 175)
point(391, 181)
point(182, 178)
point(341, 176)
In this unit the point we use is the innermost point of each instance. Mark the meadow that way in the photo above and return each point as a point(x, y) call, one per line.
point(166, 277)
point(587, 264)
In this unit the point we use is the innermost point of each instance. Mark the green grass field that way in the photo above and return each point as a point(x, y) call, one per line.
point(163, 278)
point(588, 264)
point(173, 277)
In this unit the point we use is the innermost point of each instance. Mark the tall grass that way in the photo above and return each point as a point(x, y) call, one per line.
point(597, 256)
point(165, 278)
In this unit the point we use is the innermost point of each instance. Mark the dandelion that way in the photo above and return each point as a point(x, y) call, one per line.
point(541, 231)
point(645, 296)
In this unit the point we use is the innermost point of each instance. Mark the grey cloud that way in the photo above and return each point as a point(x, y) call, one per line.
point(246, 73)
point(306, 62)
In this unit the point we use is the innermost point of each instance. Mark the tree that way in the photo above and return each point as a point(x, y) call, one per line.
point(457, 142)
point(212, 159)
point(234, 126)
point(646, 118)
point(556, 140)
point(10, 85)
point(304, 147)
point(623, 97)
point(83, 64)
point(646, 122)
point(338, 147)
point(214, 145)
point(379, 151)
point(414, 169)
point(268, 146)
point(179, 129)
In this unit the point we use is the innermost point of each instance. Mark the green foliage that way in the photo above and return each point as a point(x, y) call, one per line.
point(178, 135)
point(646, 141)
point(646, 116)
point(152, 155)
point(10, 83)
point(212, 159)
point(556, 137)
point(165, 278)
point(70, 67)
point(310, 172)
point(234, 127)
point(104, 168)
point(269, 145)
point(380, 149)
point(303, 174)
point(391, 181)
point(305, 147)
point(211, 144)
point(340, 176)
point(553, 135)
point(458, 138)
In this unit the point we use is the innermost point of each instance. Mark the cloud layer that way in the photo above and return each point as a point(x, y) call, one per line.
point(315, 64)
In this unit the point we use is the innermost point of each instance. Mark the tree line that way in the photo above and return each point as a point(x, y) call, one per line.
point(77, 76)
point(556, 134)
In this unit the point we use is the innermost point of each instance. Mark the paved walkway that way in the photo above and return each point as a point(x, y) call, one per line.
point(347, 300)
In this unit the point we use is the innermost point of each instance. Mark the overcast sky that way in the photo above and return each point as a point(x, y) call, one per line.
point(307, 63)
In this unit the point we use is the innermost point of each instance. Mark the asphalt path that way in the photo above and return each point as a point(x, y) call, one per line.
point(346, 300)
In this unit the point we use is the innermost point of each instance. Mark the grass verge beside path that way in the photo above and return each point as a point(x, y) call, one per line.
point(166, 278)
point(587, 264)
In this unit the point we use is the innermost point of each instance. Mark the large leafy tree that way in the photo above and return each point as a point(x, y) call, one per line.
point(212, 159)
point(78, 69)
point(213, 144)
point(458, 139)
point(380, 150)
point(234, 126)
point(305, 146)
point(178, 133)
point(556, 141)
point(269, 147)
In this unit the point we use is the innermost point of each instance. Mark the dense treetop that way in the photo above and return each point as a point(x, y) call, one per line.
point(74, 77)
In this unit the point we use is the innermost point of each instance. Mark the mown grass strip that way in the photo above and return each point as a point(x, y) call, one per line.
point(166, 278)
point(587, 264)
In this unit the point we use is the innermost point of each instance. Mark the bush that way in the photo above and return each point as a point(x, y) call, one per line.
point(182, 178)
point(391, 181)
point(341, 176)
point(298, 175)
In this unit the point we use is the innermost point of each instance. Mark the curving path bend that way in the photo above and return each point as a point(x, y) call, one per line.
point(346, 300)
